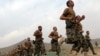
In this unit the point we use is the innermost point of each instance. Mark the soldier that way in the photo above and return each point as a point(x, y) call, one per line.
point(71, 25)
point(18, 51)
point(89, 42)
point(85, 46)
point(14, 52)
point(9, 54)
point(39, 44)
point(69, 17)
point(54, 42)
point(28, 46)
point(22, 50)
point(78, 36)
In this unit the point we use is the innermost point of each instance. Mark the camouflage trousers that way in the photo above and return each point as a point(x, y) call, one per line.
point(91, 47)
point(71, 35)
point(55, 46)
point(39, 48)
point(21, 53)
point(79, 42)
point(85, 46)
point(28, 52)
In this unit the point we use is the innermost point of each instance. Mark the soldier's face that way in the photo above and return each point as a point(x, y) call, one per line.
point(55, 29)
point(40, 28)
point(71, 3)
point(78, 19)
point(28, 39)
point(88, 33)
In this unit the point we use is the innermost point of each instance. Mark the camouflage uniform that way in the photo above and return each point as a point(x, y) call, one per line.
point(85, 45)
point(21, 50)
point(54, 42)
point(70, 25)
point(90, 44)
point(39, 44)
point(39, 47)
point(28, 47)
point(78, 38)
point(18, 51)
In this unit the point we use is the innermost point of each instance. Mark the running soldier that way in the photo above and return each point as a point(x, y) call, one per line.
point(18, 51)
point(79, 36)
point(14, 52)
point(89, 42)
point(69, 17)
point(28, 47)
point(21, 50)
point(54, 42)
point(85, 46)
point(39, 44)
point(72, 28)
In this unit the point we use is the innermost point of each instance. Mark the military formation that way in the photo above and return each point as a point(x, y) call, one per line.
point(74, 35)
point(25, 49)
point(74, 31)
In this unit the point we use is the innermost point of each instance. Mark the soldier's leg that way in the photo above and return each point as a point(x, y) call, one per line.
point(43, 51)
point(25, 52)
point(79, 46)
point(58, 49)
point(80, 41)
point(73, 47)
point(85, 50)
point(36, 48)
point(51, 45)
point(67, 35)
point(17, 54)
point(92, 49)
point(35, 51)
point(22, 53)
point(29, 52)
point(70, 35)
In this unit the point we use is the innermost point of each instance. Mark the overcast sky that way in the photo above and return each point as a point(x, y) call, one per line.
point(20, 18)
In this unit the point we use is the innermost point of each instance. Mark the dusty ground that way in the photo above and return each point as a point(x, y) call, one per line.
point(65, 51)
point(97, 50)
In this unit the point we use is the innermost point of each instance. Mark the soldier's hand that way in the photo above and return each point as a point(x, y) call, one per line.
point(42, 38)
point(26, 48)
point(70, 17)
point(83, 16)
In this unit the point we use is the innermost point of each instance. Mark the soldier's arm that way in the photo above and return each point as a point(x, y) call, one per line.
point(58, 35)
point(82, 17)
point(63, 17)
point(36, 33)
point(31, 45)
point(50, 35)
point(25, 45)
